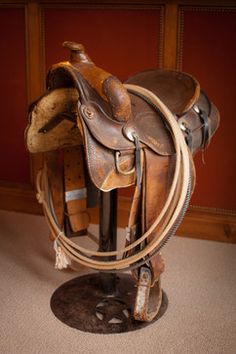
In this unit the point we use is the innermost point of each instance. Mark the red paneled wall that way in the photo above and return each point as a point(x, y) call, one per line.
point(120, 41)
point(209, 53)
point(14, 160)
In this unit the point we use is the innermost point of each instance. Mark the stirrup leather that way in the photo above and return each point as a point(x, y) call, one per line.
point(148, 299)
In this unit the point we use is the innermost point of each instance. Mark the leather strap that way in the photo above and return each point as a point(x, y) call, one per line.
point(205, 126)
point(75, 188)
point(205, 129)
point(148, 299)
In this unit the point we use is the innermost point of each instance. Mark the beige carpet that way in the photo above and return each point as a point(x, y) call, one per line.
point(199, 281)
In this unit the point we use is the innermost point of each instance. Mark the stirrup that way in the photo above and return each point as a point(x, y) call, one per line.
point(148, 299)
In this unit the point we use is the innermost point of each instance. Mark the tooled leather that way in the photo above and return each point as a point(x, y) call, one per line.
point(111, 135)
point(148, 125)
point(155, 135)
point(101, 165)
point(89, 78)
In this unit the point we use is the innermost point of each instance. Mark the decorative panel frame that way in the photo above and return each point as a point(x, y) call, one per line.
point(113, 9)
point(180, 28)
point(14, 159)
point(209, 63)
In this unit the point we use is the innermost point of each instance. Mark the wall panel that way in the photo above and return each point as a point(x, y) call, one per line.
point(208, 45)
point(120, 41)
point(14, 160)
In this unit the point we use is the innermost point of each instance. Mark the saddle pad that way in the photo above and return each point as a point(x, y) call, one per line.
point(50, 106)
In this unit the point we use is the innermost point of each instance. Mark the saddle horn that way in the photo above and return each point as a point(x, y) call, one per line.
point(106, 85)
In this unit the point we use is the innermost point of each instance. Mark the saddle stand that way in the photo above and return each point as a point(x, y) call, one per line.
point(99, 135)
point(103, 302)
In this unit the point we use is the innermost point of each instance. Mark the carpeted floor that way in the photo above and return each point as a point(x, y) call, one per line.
point(199, 281)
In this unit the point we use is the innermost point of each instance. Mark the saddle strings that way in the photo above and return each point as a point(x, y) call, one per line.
point(77, 253)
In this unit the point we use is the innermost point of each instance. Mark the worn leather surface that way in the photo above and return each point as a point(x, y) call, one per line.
point(68, 87)
point(157, 182)
point(101, 164)
point(112, 134)
point(179, 91)
point(74, 179)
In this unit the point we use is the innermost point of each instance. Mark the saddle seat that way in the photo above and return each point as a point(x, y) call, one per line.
point(197, 116)
point(179, 91)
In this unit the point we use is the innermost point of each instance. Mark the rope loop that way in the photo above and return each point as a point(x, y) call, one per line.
point(177, 200)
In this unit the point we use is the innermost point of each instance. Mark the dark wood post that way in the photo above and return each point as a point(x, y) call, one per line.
point(108, 233)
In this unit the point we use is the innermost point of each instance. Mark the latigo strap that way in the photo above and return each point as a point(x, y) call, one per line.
point(75, 189)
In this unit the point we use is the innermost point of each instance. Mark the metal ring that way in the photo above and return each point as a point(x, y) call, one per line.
point(126, 173)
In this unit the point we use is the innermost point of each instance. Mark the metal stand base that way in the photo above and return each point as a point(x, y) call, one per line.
point(84, 303)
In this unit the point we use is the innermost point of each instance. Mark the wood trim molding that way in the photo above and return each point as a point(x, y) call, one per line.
point(125, 2)
point(170, 36)
point(18, 197)
point(35, 66)
point(199, 222)
point(96, 5)
point(161, 37)
point(198, 7)
point(209, 224)
point(34, 51)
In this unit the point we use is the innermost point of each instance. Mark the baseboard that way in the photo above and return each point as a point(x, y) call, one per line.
point(199, 222)
point(209, 224)
point(18, 197)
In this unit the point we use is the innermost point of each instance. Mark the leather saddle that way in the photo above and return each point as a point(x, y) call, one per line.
point(114, 136)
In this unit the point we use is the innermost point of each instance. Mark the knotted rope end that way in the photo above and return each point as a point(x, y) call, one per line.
point(62, 260)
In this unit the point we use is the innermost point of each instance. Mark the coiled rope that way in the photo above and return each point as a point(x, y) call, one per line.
point(176, 201)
